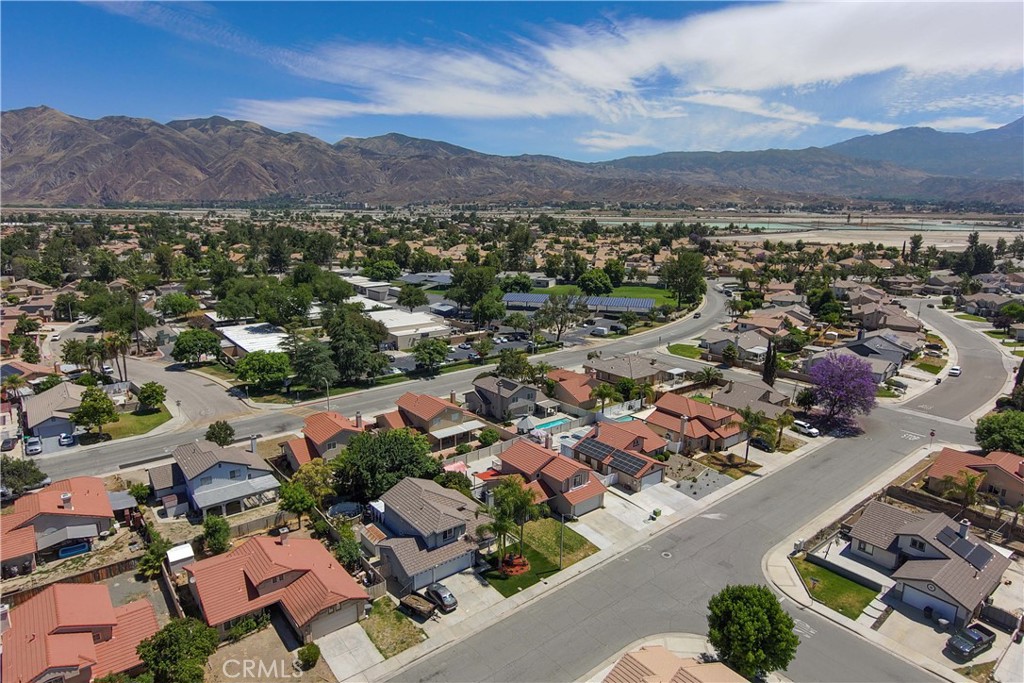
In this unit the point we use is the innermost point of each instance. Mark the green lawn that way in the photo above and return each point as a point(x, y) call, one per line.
point(701, 398)
point(659, 295)
point(133, 424)
point(219, 371)
point(933, 366)
point(830, 589)
point(685, 350)
point(540, 568)
point(972, 318)
point(885, 392)
point(997, 334)
point(542, 536)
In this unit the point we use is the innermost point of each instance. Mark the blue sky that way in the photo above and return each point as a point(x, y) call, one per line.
point(579, 80)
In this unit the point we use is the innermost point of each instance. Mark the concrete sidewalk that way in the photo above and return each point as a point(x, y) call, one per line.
point(780, 573)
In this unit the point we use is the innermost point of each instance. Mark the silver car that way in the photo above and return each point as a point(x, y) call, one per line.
point(34, 446)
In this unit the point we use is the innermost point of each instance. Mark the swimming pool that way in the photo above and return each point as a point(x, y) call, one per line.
point(553, 423)
point(626, 418)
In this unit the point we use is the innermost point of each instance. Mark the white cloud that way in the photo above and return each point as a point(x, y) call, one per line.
point(954, 123)
point(604, 141)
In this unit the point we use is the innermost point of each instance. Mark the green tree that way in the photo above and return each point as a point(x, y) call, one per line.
point(514, 364)
point(501, 526)
point(430, 353)
point(457, 481)
point(348, 550)
point(483, 346)
point(373, 463)
point(783, 421)
point(314, 365)
point(708, 376)
point(152, 395)
point(140, 492)
point(1001, 432)
point(604, 393)
point(730, 354)
point(488, 309)
point(20, 474)
point(263, 368)
point(489, 436)
point(156, 551)
point(65, 306)
point(95, 410)
point(177, 653)
point(411, 296)
point(616, 271)
point(308, 655)
point(629, 319)
point(595, 283)
point(561, 312)
point(754, 424)
point(683, 275)
point(317, 477)
point(962, 488)
point(771, 365)
point(471, 284)
point(518, 321)
point(176, 304)
point(47, 383)
point(750, 630)
point(192, 345)
point(805, 399)
point(216, 534)
point(517, 503)
point(220, 433)
point(296, 499)
point(520, 282)
point(163, 261)
point(30, 351)
point(384, 271)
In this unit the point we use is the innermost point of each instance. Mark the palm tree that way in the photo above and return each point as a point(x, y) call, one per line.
point(502, 527)
point(754, 423)
point(12, 383)
point(517, 503)
point(784, 421)
point(72, 352)
point(963, 488)
point(708, 376)
point(540, 371)
point(110, 352)
point(123, 344)
point(646, 393)
point(605, 392)
point(95, 353)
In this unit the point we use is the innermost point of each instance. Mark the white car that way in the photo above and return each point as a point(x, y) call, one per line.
point(804, 428)
point(55, 337)
point(33, 446)
point(108, 369)
point(955, 371)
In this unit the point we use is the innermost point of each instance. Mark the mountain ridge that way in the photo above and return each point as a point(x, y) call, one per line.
point(51, 157)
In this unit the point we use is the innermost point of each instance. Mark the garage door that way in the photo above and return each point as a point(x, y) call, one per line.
point(920, 600)
point(329, 623)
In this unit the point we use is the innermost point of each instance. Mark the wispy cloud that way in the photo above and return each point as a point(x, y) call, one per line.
point(771, 64)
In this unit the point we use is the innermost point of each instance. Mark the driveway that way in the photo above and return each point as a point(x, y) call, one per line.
point(474, 594)
point(348, 651)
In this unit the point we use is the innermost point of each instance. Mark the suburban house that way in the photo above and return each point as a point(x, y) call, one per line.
point(901, 285)
point(756, 395)
point(298, 575)
point(25, 287)
point(874, 316)
point(324, 436)
point(444, 423)
point(939, 566)
point(1017, 332)
point(631, 469)
point(885, 344)
point(500, 399)
point(945, 284)
point(984, 304)
point(656, 664)
point(239, 341)
point(432, 533)
point(637, 368)
point(881, 368)
point(704, 427)
point(63, 519)
point(574, 388)
point(1002, 474)
point(751, 346)
point(568, 486)
point(215, 480)
point(49, 413)
point(71, 632)
point(769, 326)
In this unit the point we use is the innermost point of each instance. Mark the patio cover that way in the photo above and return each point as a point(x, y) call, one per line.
point(236, 491)
point(457, 429)
point(66, 534)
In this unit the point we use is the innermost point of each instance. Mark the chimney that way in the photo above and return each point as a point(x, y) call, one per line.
point(283, 534)
point(252, 443)
point(451, 396)
point(65, 501)
point(5, 618)
point(547, 440)
point(860, 333)
point(1020, 468)
point(965, 527)
point(597, 429)
point(683, 419)
point(359, 420)
point(729, 388)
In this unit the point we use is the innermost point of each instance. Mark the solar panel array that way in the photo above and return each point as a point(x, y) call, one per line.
point(524, 298)
point(977, 555)
point(621, 460)
point(598, 302)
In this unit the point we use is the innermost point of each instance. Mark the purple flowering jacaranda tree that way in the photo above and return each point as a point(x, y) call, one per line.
point(844, 386)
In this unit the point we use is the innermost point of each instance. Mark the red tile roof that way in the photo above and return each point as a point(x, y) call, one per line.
point(392, 420)
point(226, 584)
point(54, 630)
point(650, 440)
point(88, 499)
point(677, 405)
point(562, 468)
point(424, 406)
point(321, 427)
point(541, 491)
point(592, 488)
point(527, 457)
point(622, 435)
point(577, 384)
point(301, 449)
point(951, 462)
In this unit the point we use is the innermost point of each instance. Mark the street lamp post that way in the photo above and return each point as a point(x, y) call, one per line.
point(328, 385)
point(561, 539)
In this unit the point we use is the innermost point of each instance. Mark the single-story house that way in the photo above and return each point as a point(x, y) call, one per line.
point(656, 664)
point(49, 413)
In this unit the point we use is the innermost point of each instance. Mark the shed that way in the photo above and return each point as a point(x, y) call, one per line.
point(179, 556)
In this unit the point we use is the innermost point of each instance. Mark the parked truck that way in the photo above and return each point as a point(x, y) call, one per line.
point(971, 641)
point(415, 604)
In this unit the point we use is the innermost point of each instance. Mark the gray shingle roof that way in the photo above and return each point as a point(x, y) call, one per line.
point(879, 523)
point(430, 508)
point(166, 476)
point(199, 456)
point(61, 400)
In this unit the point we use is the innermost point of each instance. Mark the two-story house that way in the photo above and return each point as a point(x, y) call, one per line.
point(574, 388)
point(984, 304)
point(433, 532)
point(632, 469)
point(568, 486)
point(939, 566)
point(750, 346)
point(72, 633)
point(695, 426)
point(942, 283)
point(445, 424)
point(501, 399)
point(63, 519)
point(756, 395)
point(215, 480)
point(1002, 474)
point(299, 575)
point(324, 436)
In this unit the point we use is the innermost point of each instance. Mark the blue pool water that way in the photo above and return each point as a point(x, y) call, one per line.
point(553, 423)
point(627, 418)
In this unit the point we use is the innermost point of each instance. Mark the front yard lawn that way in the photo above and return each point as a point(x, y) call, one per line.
point(885, 392)
point(972, 318)
point(685, 350)
point(933, 366)
point(389, 630)
point(129, 424)
point(982, 673)
point(997, 334)
point(542, 536)
point(219, 371)
point(540, 568)
point(834, 591)
point(729, 465)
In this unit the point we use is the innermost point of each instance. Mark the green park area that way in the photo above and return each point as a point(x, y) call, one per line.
point(660, 296)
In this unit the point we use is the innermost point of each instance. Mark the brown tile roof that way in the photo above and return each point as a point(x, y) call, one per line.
point(622, 435)
point(576, 384)
point(951, 462)
point(392, 420)
point(197, 457)
point(592, 488)
point(424, 406)
point(678, 405)
point(136, 622)
point(226, 584)
point(879, 523)
point(656, 664)
point(321, 427)
point(431, 508)
point(301, 449)
point(527, 457)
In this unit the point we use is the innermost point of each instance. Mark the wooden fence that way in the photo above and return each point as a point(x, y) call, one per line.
point(978, 519)
point(89, 576)
point(272, 521)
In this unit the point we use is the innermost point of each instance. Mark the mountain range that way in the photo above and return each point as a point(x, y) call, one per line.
point(52, 158)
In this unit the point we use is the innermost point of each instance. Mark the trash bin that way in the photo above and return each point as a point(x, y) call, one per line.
point(928, 612)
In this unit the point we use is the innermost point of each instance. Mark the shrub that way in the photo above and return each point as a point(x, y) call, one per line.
point(248, 625)
point(489, 436)
point(139, 491)
point(309, 655)
point(321, 529)
point(463, 448)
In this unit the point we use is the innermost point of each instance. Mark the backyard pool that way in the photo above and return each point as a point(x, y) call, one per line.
point(625, 418)
point(553, 423)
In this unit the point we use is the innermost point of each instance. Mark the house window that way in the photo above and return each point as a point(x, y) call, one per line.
point(865, 548)
point(578, 480)
point(917, 544)
point(436, 421)
point(331, 445)
point(234, 474)
point(205, 481)
point(277, 579)
point(448, 534)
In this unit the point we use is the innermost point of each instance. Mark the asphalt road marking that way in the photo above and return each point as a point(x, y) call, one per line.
point(714, 515)
point(802, 628)
point(911, 436)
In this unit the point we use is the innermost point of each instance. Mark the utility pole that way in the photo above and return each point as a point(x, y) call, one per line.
point(328, 384)
point(561, 540)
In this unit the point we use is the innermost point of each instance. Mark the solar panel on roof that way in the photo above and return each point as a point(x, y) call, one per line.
point(947, 537)
point(962, 547)
point(979, 557)
point(627, 462)
point(524, 298)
